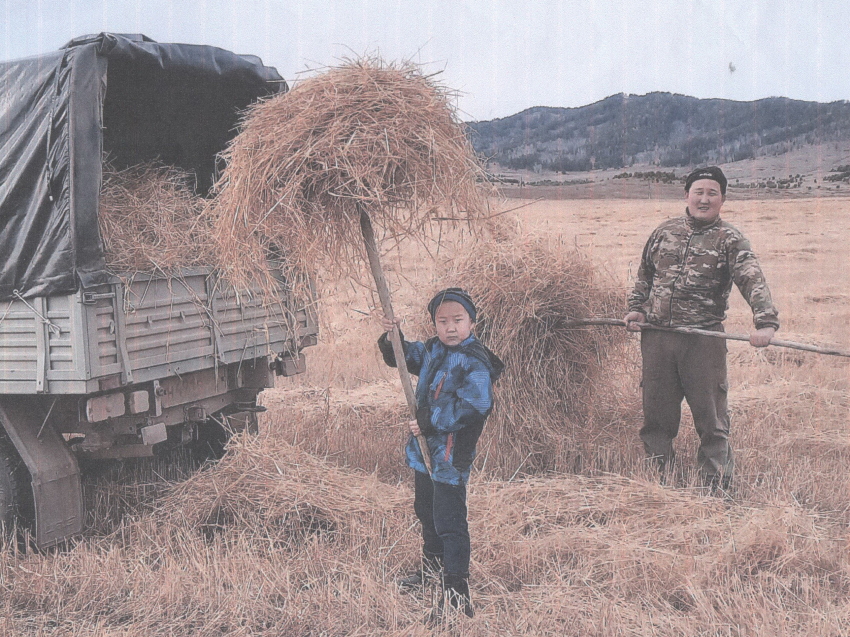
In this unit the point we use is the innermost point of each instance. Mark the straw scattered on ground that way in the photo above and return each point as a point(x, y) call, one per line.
point(273, 541)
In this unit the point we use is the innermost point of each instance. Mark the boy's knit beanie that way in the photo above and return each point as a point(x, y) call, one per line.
point(452, 294)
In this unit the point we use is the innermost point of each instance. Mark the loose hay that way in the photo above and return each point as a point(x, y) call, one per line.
point(528, 291)
point(151, 220)
point(367, 135)
point(272, 541)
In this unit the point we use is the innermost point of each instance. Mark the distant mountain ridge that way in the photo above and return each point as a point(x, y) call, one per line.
point(661, 129)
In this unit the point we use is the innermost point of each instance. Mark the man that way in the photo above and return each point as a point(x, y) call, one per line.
point(685, 276)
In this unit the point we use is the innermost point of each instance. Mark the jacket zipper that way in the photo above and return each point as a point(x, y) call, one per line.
point(440, 386)
point(679, 276)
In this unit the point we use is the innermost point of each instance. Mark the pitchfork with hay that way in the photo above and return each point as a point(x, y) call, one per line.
point(313, 172)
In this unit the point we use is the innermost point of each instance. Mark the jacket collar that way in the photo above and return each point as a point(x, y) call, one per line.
point(473, 347)
point(696, 225)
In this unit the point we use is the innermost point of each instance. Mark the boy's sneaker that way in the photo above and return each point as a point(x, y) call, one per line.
point(426, 575)
point(453, 603)
point(456, 593)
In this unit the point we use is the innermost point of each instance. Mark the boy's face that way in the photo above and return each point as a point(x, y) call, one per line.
point(453, 323)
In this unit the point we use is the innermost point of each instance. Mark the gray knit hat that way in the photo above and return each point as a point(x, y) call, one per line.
point(452, 294)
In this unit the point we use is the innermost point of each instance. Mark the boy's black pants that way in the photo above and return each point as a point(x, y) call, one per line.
point(441, 508)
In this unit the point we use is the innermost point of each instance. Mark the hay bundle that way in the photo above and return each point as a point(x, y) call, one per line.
point(152, 221)
point(527, 292)
point(366, 135)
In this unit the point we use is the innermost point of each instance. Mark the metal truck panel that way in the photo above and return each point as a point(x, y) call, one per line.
point(143, 330)
point(60, 334)
point(102, 335)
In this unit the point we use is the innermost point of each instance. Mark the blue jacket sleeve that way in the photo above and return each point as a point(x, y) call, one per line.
point(469, 403)
point(414, 353)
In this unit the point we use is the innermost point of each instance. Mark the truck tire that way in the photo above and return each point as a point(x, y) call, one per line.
point(13, 483)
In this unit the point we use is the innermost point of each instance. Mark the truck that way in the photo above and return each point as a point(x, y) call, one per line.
point(95, 366)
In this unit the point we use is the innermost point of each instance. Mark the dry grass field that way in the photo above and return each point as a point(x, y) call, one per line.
point(305, 529)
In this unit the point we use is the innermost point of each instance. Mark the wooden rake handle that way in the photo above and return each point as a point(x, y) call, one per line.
point(395, 337)
point(727, 335)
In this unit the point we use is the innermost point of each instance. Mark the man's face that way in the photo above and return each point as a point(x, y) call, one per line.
point(704, 200)
point(453, 323)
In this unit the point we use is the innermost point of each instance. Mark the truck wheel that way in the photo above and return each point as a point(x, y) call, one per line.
point(13, 483)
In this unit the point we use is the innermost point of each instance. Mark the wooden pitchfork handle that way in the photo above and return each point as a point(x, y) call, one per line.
point(395, 337)
point(694, 330)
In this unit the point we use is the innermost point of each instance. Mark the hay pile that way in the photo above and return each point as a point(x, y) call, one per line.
point(366, 135)
point(272, 541)
point(151, 220)
point(527, 291)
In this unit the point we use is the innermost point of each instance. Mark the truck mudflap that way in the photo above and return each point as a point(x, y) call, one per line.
point(56, 484)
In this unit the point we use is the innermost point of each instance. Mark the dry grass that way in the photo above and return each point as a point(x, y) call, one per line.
point(304, 530)
point(258, 546)
point(528, 289)
point(151, 221)
point(273, 541)
point(366, 135)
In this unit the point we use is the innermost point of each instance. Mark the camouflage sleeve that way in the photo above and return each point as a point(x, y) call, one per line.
point(639, 298)
point(747, 275)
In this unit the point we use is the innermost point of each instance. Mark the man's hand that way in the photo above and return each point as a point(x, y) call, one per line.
point(761, 338)
point(414, 427)
point(632, 318)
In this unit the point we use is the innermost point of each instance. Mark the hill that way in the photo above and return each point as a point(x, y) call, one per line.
point(657, 129)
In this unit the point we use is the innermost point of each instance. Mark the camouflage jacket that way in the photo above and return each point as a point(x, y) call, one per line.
point(687, 271)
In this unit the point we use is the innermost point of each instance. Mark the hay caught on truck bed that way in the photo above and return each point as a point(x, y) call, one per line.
point(151, 220)
point(366, 135)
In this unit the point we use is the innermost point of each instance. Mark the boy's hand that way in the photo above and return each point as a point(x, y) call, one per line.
point(388, 325)
point(414, 427)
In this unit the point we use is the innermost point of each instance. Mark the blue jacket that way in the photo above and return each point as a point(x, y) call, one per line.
point(453, 397)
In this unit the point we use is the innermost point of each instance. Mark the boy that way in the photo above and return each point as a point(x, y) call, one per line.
point(453, 398)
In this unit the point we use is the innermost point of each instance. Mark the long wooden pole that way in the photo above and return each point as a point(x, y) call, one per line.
point(395, 337)
point(727, 335)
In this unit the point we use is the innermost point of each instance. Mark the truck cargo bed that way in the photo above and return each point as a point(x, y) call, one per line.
point(149, 328)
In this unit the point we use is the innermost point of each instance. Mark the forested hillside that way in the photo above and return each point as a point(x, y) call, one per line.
point(659, 129)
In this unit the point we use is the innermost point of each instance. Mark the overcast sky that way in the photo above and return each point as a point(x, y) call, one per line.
point(502, 55)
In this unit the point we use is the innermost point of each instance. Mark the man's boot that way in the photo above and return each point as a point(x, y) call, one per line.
point(428, 572)
point(719, 486)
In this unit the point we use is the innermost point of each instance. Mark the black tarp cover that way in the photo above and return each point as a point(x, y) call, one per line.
point(129, 96)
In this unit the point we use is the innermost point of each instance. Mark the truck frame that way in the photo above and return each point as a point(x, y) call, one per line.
point(99, 366)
